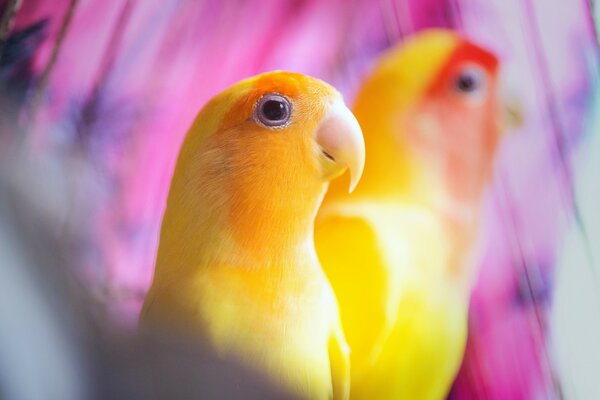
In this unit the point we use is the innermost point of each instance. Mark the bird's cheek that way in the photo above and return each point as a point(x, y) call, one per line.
point(426, 128)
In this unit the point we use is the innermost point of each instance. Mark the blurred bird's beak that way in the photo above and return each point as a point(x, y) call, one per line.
point(342, 145)
point(512, 113)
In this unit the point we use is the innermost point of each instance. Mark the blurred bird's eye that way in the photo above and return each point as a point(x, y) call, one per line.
point(273, 111)
point(470, 79)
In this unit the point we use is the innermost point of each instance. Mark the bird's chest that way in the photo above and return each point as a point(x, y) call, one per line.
point(426, 345)
point(280, 326)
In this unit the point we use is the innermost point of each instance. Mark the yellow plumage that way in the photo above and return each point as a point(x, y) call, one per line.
point(398, 250)
point(236, 263)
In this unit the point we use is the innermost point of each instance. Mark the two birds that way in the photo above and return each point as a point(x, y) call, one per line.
point(332, 294)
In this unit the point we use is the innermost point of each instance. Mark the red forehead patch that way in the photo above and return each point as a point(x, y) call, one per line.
point(465, 52)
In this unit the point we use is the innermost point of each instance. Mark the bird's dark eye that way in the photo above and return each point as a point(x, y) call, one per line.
point(469, 80)
point(273, 111)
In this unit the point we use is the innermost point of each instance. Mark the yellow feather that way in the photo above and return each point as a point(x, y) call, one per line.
point(398, 250)
point(402, 312)
point(236, 263)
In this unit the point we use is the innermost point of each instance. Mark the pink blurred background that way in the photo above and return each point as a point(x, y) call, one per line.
point(113, 86)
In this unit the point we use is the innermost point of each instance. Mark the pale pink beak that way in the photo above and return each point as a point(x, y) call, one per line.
point(342, 144)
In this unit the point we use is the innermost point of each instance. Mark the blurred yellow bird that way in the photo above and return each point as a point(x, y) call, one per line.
point(236, 262)
point(398, 250)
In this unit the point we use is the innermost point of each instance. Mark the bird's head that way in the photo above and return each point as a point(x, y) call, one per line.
point(262, 152)
point(431, 108)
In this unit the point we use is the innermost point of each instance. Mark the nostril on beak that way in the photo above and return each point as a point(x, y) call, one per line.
point(326, 154)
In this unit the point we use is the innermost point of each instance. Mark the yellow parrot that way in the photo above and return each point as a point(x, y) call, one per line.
point(398, 249)
point(236, 261)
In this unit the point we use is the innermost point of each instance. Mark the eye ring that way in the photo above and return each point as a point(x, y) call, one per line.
point(470, 80)
point(273, 111)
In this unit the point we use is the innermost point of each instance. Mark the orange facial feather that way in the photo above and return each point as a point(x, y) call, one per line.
point(236, 263)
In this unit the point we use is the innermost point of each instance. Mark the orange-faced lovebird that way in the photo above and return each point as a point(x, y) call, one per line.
point(236, 261)
point(398, 249)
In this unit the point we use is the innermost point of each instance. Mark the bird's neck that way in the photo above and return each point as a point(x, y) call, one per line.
point(417, 185)
point(393, 173)
point(458, 213)
point(247, 228)
point(399, 178)
point(273, 228)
